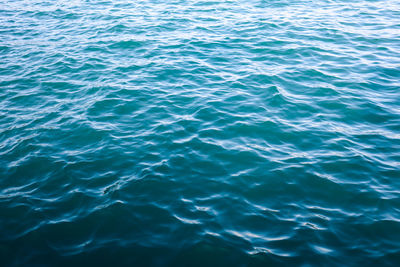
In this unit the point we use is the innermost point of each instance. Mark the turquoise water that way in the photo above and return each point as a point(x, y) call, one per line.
point(200, 133)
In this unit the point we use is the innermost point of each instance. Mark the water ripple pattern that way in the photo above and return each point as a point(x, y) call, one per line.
point(200, 133)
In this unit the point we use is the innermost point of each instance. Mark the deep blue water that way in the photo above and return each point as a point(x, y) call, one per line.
point(200, 133)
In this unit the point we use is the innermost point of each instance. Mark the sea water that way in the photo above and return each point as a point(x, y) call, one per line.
point(200, 133)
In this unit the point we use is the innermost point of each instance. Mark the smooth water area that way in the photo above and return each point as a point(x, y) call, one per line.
point(200, 133)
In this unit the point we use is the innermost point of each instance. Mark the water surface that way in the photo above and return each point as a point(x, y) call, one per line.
point(209, 133)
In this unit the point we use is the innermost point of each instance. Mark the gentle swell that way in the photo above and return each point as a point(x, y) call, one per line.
point(200, 132)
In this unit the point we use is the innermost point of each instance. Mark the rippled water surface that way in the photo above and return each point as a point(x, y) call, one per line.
point(200, 133)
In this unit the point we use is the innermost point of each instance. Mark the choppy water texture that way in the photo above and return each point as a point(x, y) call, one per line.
point(209, 133)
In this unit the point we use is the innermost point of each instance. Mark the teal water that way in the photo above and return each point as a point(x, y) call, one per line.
point(200, 133)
